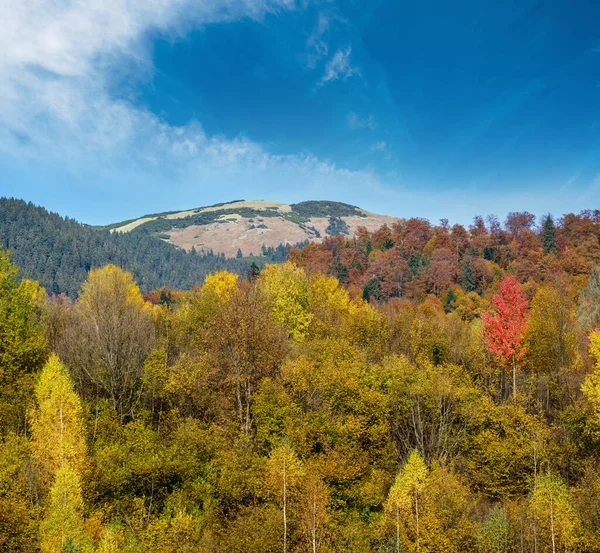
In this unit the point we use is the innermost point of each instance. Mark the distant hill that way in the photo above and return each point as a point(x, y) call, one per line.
point(59, 252)
point(249, 226)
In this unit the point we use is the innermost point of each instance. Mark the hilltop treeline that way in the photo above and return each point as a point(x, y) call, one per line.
point(281, 413)
point(58, 252)
point(414, 258)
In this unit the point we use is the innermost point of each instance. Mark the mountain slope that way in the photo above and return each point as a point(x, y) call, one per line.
point(250, 226)
point(58, 252)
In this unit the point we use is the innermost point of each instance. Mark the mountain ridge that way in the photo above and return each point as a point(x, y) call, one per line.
point(249, 226)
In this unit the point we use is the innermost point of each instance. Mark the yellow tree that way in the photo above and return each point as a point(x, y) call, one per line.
point(591, 389)
point(112, 540)
point(553, 513)
point(221, 283)
point(109, 337)
point(313, 513)
point(286, 287)
point(551, 342)
point(56, 422)
point(62, 528)
point(284, 474)
point(404, 499)
point(245, 345)
point(330, 305)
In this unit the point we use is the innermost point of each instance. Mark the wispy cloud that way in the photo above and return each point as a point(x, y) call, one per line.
point(568, 184)
point(379, 146)
point(357, 122)
point(317, 47)
point(339, 67)
point(56, 108)
point(592, 191)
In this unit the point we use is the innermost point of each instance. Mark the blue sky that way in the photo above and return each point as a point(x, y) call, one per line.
point(110, 109)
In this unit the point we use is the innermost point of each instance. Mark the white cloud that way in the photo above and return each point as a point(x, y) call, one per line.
point(56, 108)
point(316, 44)
point(339, 66)
point(379, 146)
point(357, 122)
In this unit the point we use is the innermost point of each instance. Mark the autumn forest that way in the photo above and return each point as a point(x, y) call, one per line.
point(418, 389)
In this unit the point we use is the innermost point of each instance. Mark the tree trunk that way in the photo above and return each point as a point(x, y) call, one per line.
point(314, 525)
point(417, 518)
point(284, 510)
point(552, 526)
point(514, 371)
point(397, 530)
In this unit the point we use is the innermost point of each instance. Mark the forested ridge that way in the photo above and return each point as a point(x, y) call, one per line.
point(59, 252)
point(421, 389)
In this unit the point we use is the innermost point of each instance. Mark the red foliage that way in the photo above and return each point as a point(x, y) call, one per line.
point(503, 331)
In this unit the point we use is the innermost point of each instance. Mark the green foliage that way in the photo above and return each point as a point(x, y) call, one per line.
point(22, 342)
point(336, 227)
point(494, 534)
point(326, 209)
point(549, 234)
point(372, 289)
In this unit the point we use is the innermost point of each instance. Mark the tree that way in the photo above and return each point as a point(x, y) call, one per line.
point(313, 514)
point(519, 221)
point(404, 499)
point(449, 301)
point(18, 511)
point(108, 337)
point(442, 270)
point(550, 341)
point(503, 331)
point(430, 406)
point(111, 541)
point(549, 234)
point(245, 345)
point(588, 308)
point(221, 284)
point(22, 342)
point(286, 288)
point(469, 279)
point(57, 422)
point(591, 390)
point(253, 272)
point(372, 289)
point(62, 527)
point(494, 533)
point(553, 514)
point(506, 446)
point(284, 473)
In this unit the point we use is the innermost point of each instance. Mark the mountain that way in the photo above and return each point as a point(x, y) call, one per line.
point(250, 226)
point(174, 249)
point(59, 252)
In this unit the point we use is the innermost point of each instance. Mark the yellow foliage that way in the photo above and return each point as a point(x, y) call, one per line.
point(221, 283)
point(286, 287)
point(552, 510)
point(56, 422)
point(63, 523)
point(591, 388)
point(110, 279)
point(326, 292)
point(112, 541)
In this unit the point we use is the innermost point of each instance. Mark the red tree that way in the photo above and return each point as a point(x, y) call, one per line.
point(503, 331)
